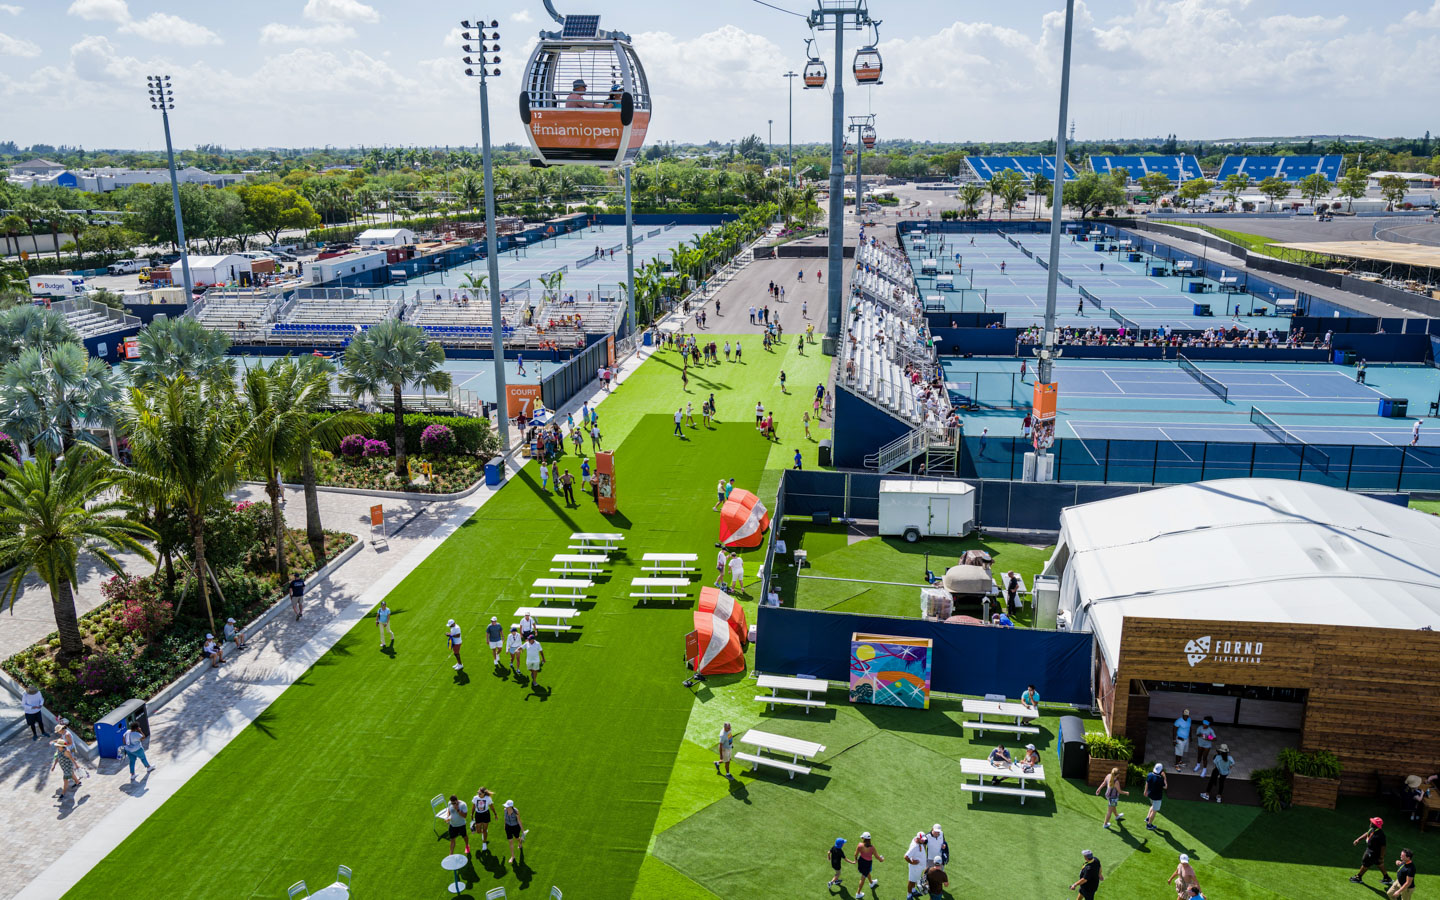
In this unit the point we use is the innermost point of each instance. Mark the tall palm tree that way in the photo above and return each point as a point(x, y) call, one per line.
point(49, 514)
point(474, 284)
point(29, 326)
point(309, 391)
point(186, 438)
point(173, 347)
point(276, 424)
point(75, 224)
point(12, 225)
point(389, 356)
point(471, 190)
point(45, 394)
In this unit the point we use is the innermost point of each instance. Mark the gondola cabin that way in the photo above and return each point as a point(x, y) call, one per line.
point(868, 65)
point(814, 74)
point(867, 137)
point(584, 98)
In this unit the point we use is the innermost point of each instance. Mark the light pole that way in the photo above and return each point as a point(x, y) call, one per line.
point(1044, 371)
point(162, 97)
point(478, 66)
point(790, 137)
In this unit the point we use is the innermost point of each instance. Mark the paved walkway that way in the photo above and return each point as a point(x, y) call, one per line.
point(52, 843)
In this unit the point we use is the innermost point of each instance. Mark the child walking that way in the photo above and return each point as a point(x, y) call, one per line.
point(837, 859)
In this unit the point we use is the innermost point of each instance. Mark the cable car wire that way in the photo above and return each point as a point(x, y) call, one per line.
point(782, 9)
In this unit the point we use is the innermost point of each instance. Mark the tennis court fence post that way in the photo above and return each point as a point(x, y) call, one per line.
point(1400, 478)
point(1105, 475)
point(1155, 462)
point(1253, 448)
point(1204, 455)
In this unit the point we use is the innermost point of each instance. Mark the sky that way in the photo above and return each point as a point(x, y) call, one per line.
point(272, 73)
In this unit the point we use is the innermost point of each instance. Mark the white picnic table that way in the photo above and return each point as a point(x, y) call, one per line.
point(983, 708)
point(670, 562)
point(677, 588)
point(779, 743)
point(778, 683)
point(1002, 579)
point(561, 615)
point(561, 589)
point(580, 562)
point(983, 769)
point(597, 540)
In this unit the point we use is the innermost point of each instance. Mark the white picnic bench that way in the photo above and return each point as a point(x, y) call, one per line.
point(560, 614)
point(594, 540)
point(778, 743)
point(983, 769)
point(677, 563)
point(1002, 579)
point(656, 587)
point(561, 589)
point(778, 683)
point(578, 563)
point(983, 708)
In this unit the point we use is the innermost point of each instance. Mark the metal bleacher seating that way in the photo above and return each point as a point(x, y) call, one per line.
point(1177, 168)
point(329, 320)
point(1290, 168)
point(987, 167)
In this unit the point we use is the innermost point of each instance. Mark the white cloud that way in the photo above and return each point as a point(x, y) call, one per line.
point(10, 8)
point(167, 29)
point(277, 33)
point(10, 46)
point(340, 11)
point(524, 16)
point(1428, 19)
point(1300, 25)
point(100, 10)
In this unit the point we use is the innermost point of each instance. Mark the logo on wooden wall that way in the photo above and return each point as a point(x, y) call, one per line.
point(1198, 649)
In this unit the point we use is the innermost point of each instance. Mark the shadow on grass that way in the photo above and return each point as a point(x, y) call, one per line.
point(808, 784)
point(262, 723)
point(894, 718)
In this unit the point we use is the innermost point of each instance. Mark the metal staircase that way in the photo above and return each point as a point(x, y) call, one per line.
point(940, 452)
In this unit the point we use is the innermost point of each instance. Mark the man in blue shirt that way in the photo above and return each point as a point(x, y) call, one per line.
point(1180, 730)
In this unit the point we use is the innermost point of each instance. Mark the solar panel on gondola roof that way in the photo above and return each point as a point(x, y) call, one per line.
point(581, 27)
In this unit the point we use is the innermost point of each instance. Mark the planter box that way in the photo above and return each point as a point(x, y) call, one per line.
point(1098, 768)
point(1319, 793)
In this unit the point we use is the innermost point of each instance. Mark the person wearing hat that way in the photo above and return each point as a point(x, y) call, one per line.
point(1089, 881)
point(1155, 785)
point(382, 619)
point(837, 859)
point(515, 830)
point(1180, 731)
point(495, 635)
point(1183, 877)
point(1031, 759)
point(514, 645)
point(234, 635)
point(726, 749)
point(69, 768)
point(452, 635)
point(865, 857)
point(33, 704)
point(212, 651)
point(935, 877)
point(1223, 762)
point(915, 857)
point(1414, 796)
point(1204, 739)
point(1374, 838)
point(576, 98)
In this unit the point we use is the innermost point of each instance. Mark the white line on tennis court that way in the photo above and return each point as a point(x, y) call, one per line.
point(1167, 437)
point(1071, 424)
point(1114, 382)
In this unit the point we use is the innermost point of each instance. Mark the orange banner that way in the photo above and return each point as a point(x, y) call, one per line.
point(610, 350)
point(377, 516)
point(521, 398)
point(1047, 397)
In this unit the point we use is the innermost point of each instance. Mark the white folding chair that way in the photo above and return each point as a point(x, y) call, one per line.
point(438, 813)
point(495, 894)
point(555, 893)
point(342, 876)
point(298, 889)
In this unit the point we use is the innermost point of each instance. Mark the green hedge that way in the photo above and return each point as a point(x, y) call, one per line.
point(472, 436)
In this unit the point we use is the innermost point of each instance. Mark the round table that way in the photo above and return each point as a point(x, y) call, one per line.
point(454, 863)
point(336, 891)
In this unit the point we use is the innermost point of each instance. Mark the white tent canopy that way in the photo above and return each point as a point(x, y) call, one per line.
point(1247, 550)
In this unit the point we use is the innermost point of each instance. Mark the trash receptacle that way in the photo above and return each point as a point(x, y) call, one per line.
point(494, 469)
point(110, 730)
point(648, 339)
point(824, 453)
point(1074, 757)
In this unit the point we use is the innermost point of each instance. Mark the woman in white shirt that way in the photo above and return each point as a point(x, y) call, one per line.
point(135, 749)
point(480, 808)
point(33, 703)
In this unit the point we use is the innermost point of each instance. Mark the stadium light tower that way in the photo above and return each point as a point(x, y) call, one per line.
point(162, 97)
point(790, 138)
point(482, 61)
point(1045, 369)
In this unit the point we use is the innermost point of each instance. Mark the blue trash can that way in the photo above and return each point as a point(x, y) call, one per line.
point(647, 340)
point(494, 469)
point(110, 731)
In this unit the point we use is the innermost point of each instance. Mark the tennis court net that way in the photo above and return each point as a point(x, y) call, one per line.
point(1218, 388)
point(1130, 324)
point(1282, 435)
point(1090, 298)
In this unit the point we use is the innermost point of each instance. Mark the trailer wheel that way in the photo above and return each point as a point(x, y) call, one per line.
point(911, 535)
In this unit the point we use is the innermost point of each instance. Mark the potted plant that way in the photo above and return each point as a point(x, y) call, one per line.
point(1273, 788)
point(1314, 777)
point(1106, 753)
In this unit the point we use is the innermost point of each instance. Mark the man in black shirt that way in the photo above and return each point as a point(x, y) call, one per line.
point(1090, 877)
point(1374, 838)
point(297, 590)
point(1404, 876)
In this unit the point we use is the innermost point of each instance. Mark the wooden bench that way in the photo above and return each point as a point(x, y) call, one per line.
point(999, 789)
point(771, 700)
point(756, 761)
point(983, 727)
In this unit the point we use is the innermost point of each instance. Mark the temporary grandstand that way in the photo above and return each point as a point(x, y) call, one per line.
point(329, 315)
point(1177, 168)
point(1289, 168)
point(984, 168)
point(91, 319)
point(244, 315)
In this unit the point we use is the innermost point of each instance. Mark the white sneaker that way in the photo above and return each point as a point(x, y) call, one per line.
point(1217, 799)
point(1197, 767)
point(874, 884)
point(1204, 796)
point(485, 845)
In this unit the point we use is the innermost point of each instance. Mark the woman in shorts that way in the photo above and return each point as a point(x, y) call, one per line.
point(1111, 788)
point(480, 807)
point(865, 857)
point(515, 830)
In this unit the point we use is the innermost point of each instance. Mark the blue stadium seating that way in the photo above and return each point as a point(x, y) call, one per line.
point(1290, 168)
point(986, 167)
point(1177, 168)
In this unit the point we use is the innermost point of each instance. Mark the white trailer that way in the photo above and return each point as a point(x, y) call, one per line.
point(916, 509)
point(57, 287)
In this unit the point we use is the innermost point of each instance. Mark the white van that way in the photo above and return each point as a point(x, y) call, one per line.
point(128, 266)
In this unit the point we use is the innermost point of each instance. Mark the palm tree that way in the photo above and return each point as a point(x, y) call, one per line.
point(24, 327)
point(475, 284)
point(308, 389)
point(49, 514)
point(472, 190)
point(970, 196)
point(274, 441)
point(1040, 186)
point(173, 347)
point(12, 225)
point(186, 438)
point(75, 224)
point(12, 282)
point(389, 356)
point(46, 393)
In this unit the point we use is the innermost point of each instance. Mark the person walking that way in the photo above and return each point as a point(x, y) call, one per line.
point(297, 592)
point(567, 482)
point(527, 626)
point(690, 413)
point(515, 830)
point(382, 620)
point(721, 557)
point(1374, 857)
point(1183, 877)
point(1224, 762)
point(1089, 881)
point(805, 418)
point(1403, 887)
point(737, 351)
point(534, 659)
point(1204, 739)
point(594, 437)
point(452, 635)
point(726, 750)
point(457, 816)
point(737, 574)
point(1112, 788)
point(935, 878)
point(514, 645)
point(1155, 785)
point(782, 382)
point(759, 413)
point(495, 637)
point(33, 704)
point(69, 768)
point(865, 857)
point(1180, 731)
point(480, 806)
point(134, 744)
point(804, 309)
point(836, 854)
point(915, 858)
